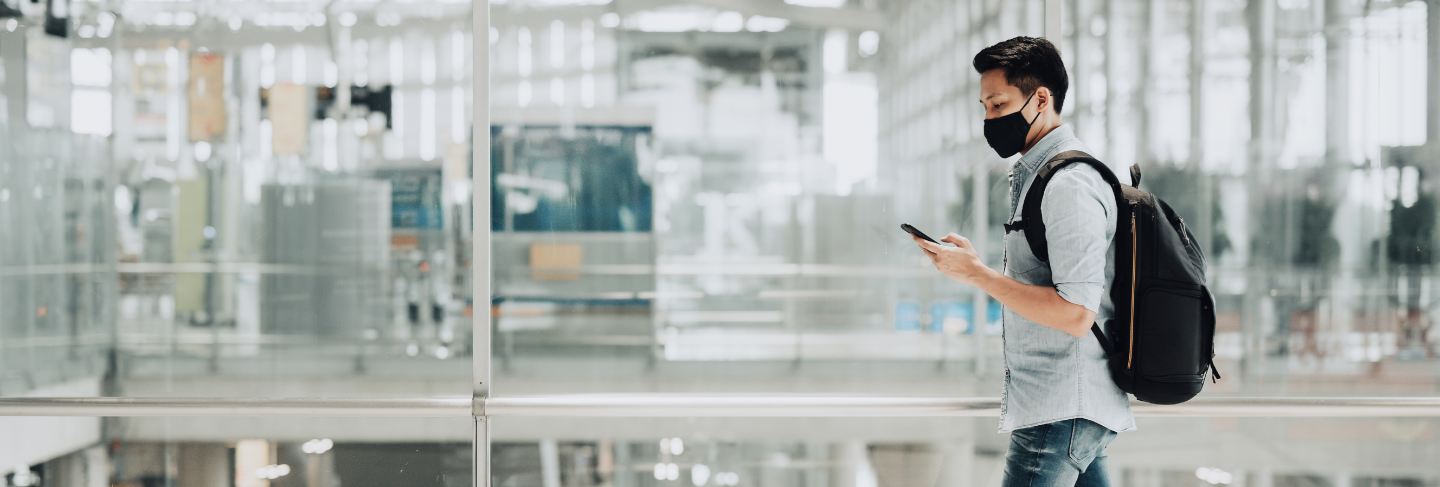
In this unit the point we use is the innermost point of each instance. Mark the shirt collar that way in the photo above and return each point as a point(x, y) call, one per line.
point(1044, 149)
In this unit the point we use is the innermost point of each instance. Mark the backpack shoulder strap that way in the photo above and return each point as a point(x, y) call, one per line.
point(1031, 220)
point(1033, 223)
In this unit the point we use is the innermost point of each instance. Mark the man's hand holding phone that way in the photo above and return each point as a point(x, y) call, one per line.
point(960, 262)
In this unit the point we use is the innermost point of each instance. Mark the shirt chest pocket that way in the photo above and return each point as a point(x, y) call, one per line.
point(1020, 263)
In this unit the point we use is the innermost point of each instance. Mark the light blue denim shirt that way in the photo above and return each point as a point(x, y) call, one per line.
point(1049, 375)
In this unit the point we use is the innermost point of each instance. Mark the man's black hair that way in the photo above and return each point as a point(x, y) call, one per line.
point(1028, 63)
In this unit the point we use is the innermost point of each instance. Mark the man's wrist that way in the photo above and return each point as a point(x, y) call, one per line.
point(987, 279)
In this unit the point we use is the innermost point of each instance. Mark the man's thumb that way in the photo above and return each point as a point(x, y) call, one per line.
point(959, 241)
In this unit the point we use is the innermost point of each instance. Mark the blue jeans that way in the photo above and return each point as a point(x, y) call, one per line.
point(1065, 453)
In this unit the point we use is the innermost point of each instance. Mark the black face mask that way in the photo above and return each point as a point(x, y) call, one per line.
point(1006, 134)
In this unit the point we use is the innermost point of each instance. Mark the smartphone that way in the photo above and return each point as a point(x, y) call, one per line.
point(916, 232)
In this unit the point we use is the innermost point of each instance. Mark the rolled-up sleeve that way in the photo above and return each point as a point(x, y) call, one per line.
point(1077, 209)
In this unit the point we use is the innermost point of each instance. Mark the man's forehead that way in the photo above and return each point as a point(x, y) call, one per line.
point(992, 91)
point(994, 82)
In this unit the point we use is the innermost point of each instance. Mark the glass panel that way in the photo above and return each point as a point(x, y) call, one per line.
point(692, 198)
point(1275, 129)
point(1198, 452)
point(695, 195)
point(245, 452)
point(274, 193)
point(57, 287)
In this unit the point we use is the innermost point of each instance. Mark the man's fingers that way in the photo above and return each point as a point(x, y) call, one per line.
point(959, 241)
point(929, 246)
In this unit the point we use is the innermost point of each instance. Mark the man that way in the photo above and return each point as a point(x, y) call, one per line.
point(1059, 404)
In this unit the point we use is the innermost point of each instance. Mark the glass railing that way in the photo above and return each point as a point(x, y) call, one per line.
point(327, 450)
point(252, 451)
point(1198, 452)
point(658, 439)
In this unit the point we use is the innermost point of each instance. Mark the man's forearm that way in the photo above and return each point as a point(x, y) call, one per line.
point(1040, 304)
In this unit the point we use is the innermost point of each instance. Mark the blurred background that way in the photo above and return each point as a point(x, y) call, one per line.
point(273, 198)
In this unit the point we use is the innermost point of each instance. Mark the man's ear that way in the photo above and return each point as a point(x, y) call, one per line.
point(1042, 99)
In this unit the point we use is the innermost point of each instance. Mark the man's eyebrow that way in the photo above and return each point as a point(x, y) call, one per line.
point(987, 97)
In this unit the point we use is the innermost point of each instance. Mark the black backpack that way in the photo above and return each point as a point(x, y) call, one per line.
point(1161, 342)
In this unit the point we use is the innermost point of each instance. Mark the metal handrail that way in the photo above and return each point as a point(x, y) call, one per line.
point(447, 406)
point(677, 405)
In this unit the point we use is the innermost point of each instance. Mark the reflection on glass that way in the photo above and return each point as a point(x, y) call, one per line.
point(286, 198)
point(752, 230)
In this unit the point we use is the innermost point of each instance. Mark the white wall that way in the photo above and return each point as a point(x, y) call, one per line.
point(33, 440)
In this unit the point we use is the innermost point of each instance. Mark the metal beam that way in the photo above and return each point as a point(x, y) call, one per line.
point(693, 406)
point(448, 406)
point(132, 37)
point(851, 18)
point(823, 17)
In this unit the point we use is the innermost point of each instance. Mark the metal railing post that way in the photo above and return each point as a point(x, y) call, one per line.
point(480, 268)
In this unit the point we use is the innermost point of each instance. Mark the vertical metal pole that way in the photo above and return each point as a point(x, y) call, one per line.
point(480, 235)
point(120, 69)
point(12, 54)
point(624, 475)
point(1262, 76)
point(1261, 14)
point(1337, 83)
point(549, 463)
point(481, 466)
point(1432, 62)
point(1197, 84)
point(97, 467)
point(1079, 105)
point(1338, 158)
point(1199, 25)
point(980, 303)
point(1053, 29)
point(1112, 76)
point(1143, 82)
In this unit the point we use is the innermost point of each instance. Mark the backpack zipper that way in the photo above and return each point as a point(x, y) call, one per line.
point(1134, 260)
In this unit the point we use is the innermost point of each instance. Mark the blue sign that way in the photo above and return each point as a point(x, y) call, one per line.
point(415, 198)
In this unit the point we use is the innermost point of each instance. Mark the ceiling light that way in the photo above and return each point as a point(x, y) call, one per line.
point(760, 23)
point(868, 43)
point(699, 475)
point(272, 472)
point(728, 22)
point(670, 20)
point(1214, 476)
point(610, 20)
point(317, 446)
